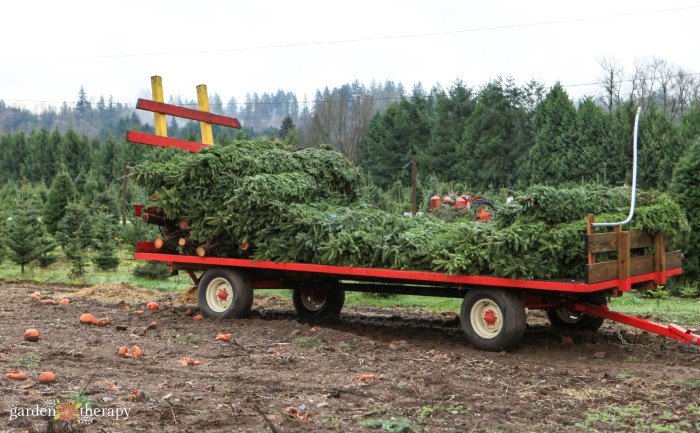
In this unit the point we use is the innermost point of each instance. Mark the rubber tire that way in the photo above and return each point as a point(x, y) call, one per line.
point(242, 293)
point(512, 311)
point(587, 321)
point(335, 299)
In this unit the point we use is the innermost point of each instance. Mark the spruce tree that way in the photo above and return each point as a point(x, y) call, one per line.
point(23, 234)
point(76, 234)
point(105, 257)
point(553, 126)
point(685, 181)
point(76, 223)
point(61, 193)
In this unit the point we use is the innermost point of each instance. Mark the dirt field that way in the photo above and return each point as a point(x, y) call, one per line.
point(374, 370)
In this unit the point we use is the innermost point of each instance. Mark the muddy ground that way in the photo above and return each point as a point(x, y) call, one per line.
point(374, 370)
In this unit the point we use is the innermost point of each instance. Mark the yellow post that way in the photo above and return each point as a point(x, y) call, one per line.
point(203, 105)
point(158, 118)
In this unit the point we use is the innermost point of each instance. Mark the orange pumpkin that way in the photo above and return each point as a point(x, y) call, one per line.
point(223, 337)
point(16, 375)
point(31, 334)
point(47, 377)
point(123, 351)
point(88, 318)
point(153, 306)
point(64, 301)
point(136, 351)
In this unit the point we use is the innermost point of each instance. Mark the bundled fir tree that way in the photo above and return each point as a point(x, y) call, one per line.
point(105, 257)
point(308, 206)
point(23, 234)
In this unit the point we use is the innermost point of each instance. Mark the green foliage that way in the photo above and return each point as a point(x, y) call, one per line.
point(686, 179)
point(152, 270)
point(30, 360)
point(553, 124)
point(62, 192)
point(402, 425)
point(496, 139)
point(23, 233)
point(76, 224)
point(105, 257)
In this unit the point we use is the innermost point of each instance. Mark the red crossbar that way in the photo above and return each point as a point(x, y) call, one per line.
point(187, 113)
point(157, 140)
point(672, 331)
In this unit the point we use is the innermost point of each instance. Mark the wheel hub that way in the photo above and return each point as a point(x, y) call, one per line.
point(490, 317)
point(222, 294)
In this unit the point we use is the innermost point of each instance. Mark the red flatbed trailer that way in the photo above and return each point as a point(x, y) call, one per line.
point(493, 312)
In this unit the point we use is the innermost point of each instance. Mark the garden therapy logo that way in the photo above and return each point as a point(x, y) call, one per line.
point(69, 411)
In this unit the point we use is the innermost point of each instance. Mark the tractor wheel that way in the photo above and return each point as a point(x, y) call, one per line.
point(314, 305)
point(224, 293)
point(492, 319)
point(566, 319)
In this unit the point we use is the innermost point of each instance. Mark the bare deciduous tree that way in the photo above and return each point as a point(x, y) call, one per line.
point(341, 118)
point(612, 82)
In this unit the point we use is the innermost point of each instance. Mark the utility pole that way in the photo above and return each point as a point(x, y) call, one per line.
point(414, 185)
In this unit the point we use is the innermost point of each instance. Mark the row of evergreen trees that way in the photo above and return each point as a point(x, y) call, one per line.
point(509, 136)
point(26, 237)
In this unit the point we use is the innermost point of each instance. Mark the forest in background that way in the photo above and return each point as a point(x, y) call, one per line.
point(497, 136)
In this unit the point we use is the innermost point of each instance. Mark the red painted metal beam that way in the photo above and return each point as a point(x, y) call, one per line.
point(156, 140)
point(390, 274)
point(672, 331)
point(187, 113)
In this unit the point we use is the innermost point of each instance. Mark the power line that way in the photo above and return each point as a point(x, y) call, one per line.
point(306, 101)
point(358, 40)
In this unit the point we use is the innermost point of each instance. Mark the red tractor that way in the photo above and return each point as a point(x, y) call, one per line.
point(483, 207)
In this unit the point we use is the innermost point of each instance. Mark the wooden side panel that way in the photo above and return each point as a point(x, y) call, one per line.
point(605, 271)
point(607, 242)
point(674, 260)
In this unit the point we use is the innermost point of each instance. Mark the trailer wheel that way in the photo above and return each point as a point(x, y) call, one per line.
point(567, 319)
point(224, 293)
point(315, 305)
point(493, 319)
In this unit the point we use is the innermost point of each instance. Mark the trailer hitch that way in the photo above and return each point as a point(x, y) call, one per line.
point(672, 330)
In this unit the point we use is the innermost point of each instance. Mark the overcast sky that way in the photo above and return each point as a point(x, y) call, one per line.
point(51, 48)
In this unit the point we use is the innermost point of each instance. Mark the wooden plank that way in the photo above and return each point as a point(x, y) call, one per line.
point(203, 105)
point(154, 140)
point(623, 254)
point(187, 113)
point(674, 260)
point(590, 219)
point(605, 271)
point(659, 252)
point(158, 118)
point(607, 242)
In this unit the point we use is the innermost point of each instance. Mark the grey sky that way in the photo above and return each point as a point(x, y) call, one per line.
point(51, 48)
